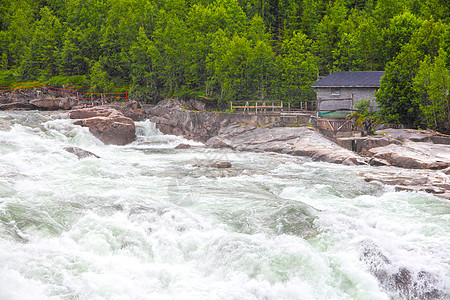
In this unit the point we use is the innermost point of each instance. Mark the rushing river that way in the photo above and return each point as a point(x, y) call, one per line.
point(143, 222)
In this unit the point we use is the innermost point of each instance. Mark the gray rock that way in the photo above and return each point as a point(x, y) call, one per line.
point(80, 153)
point(414, 155)
point(107, 124)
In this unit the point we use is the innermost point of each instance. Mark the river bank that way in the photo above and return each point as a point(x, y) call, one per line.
point(394, 149)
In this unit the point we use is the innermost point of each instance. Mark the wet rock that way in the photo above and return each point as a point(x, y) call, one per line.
point(434, 182)
point(107, 124)
point(399, 281)
point(213, 164)
point(131, 109)
point(54, 103)
point(446, 171)
point(17, 106)
point(171, 118)
point(378, 162)
point(80, 153)
point(183, 146)
point(406, 148)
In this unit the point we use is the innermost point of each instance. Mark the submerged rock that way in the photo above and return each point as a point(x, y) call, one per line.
point(80, 153)
point(107, 124)
point(183, 146)
point(212, 164)
point(399, 281)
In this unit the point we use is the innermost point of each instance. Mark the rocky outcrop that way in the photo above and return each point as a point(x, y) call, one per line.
point(406, 148)
point(17, 106)
point(54, 103)
point(429, 181)
point(414, 156)
point(33, 101)
point(132, 110)
point(171, 118)
point(107, 124)
point(219, 131)
point(301, 141)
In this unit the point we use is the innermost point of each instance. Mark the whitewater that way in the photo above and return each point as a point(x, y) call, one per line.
point(142, 221)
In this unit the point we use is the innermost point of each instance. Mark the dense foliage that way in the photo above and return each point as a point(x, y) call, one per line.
point(234, 49)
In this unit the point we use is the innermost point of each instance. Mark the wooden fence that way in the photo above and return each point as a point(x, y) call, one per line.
point(334, 124)
point(267, 107)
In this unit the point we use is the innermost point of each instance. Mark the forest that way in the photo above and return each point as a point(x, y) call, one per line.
point(234, 49)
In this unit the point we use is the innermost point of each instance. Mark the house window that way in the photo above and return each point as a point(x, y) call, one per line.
point(335, 92)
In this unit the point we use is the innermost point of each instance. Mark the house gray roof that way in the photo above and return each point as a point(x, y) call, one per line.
point(351, 79)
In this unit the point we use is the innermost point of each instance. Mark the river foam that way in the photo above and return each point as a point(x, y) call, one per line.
point(142, 222)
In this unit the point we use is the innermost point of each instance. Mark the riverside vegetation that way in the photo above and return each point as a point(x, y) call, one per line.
point(234, 50)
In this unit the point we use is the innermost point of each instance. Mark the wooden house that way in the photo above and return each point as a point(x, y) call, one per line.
point(338, 93)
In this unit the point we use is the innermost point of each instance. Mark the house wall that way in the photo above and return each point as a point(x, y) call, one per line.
point(327, 98)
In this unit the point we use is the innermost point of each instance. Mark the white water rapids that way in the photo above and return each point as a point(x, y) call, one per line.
point(141, 222)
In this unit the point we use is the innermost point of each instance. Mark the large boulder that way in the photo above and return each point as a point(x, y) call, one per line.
point(107, 124)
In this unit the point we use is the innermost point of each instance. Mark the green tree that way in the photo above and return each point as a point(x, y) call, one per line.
point(143, 72)
point(100, 80)
point(298, 68)
point(398, 33)
point(230, 64)
point(399, 102)
point(432, 83)
point(41, 58)
point(328, 34)
point(171, 37)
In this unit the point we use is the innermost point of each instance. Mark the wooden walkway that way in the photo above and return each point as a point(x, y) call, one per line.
point(266, 107)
